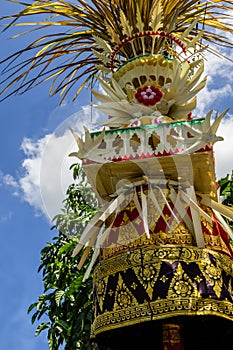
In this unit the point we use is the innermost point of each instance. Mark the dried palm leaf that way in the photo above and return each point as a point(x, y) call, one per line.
point(65, 55)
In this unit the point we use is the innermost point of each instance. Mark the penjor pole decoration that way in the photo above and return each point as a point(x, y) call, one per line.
point(162, 257)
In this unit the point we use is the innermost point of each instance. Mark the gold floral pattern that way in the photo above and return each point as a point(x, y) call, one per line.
point(155, 283)
point(123, 297)
point(181, 286)
point(213, 275)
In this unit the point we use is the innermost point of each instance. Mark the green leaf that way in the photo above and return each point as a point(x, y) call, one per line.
point(34, 317)
point(31, 307)
point(58, 296)
point(64, 324)
point(41, 327)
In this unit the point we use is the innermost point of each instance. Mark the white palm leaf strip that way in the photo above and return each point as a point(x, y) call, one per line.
point(170, 27)
point(191, 93)
point(177, 71)
point(157, 205)
point(103, 233)
point(219, 210)
point(182, 94)
point(96, 242)
point(118, 90)
point(93, 226)
point(207, 135)
point(194, 55)
point(190, 198)
point(175, 198)
point(96, 251)
point(91, 229)
point(223, 223)
point(168, 205)
point(103, 44)
point(95, 233)
point(123, 108)
point(218, 118)
point(145, 212)
point(101, 97)
point(199, 143)
point(101, 56)
point(222, 209)
point(143, 209)
point(195, 147)
point(109, 90)
point(190, 84)
point(86, 252)
point(193, 204)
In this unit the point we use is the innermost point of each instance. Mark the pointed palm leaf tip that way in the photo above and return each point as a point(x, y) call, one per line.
point(88, 149)
point(97, 37)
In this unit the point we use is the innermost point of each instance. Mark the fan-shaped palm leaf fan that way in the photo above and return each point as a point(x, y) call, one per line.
point(87, 33)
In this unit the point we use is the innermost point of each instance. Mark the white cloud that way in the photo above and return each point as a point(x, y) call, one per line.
point(45, 174)
point(219, 88)
point(55, 176)
point(223, 149)
point(217, 95)
point(9, 181)
point(30, 181)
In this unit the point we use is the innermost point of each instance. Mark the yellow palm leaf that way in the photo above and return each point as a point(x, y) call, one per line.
point(111, 21)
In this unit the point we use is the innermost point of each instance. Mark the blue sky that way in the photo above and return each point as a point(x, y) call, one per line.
point(24, 229)
point(35, 143)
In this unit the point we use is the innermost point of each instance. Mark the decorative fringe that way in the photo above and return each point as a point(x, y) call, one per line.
point(95, 233)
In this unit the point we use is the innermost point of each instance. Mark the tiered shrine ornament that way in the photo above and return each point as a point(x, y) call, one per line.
point(162, 257)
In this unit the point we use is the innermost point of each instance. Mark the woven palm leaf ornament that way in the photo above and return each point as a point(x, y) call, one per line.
point(159, 79)
point(152, 169)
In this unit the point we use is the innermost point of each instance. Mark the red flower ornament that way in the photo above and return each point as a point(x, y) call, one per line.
point(148, 95)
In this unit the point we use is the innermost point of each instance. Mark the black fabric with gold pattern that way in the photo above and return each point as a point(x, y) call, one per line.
point(152, 283)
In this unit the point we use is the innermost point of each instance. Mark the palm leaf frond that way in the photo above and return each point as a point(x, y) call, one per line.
point(68, 57)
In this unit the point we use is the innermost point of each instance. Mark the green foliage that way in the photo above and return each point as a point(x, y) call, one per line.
point(226, 193)
point(79, 206)
point(65, 307)
point(226, 189)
